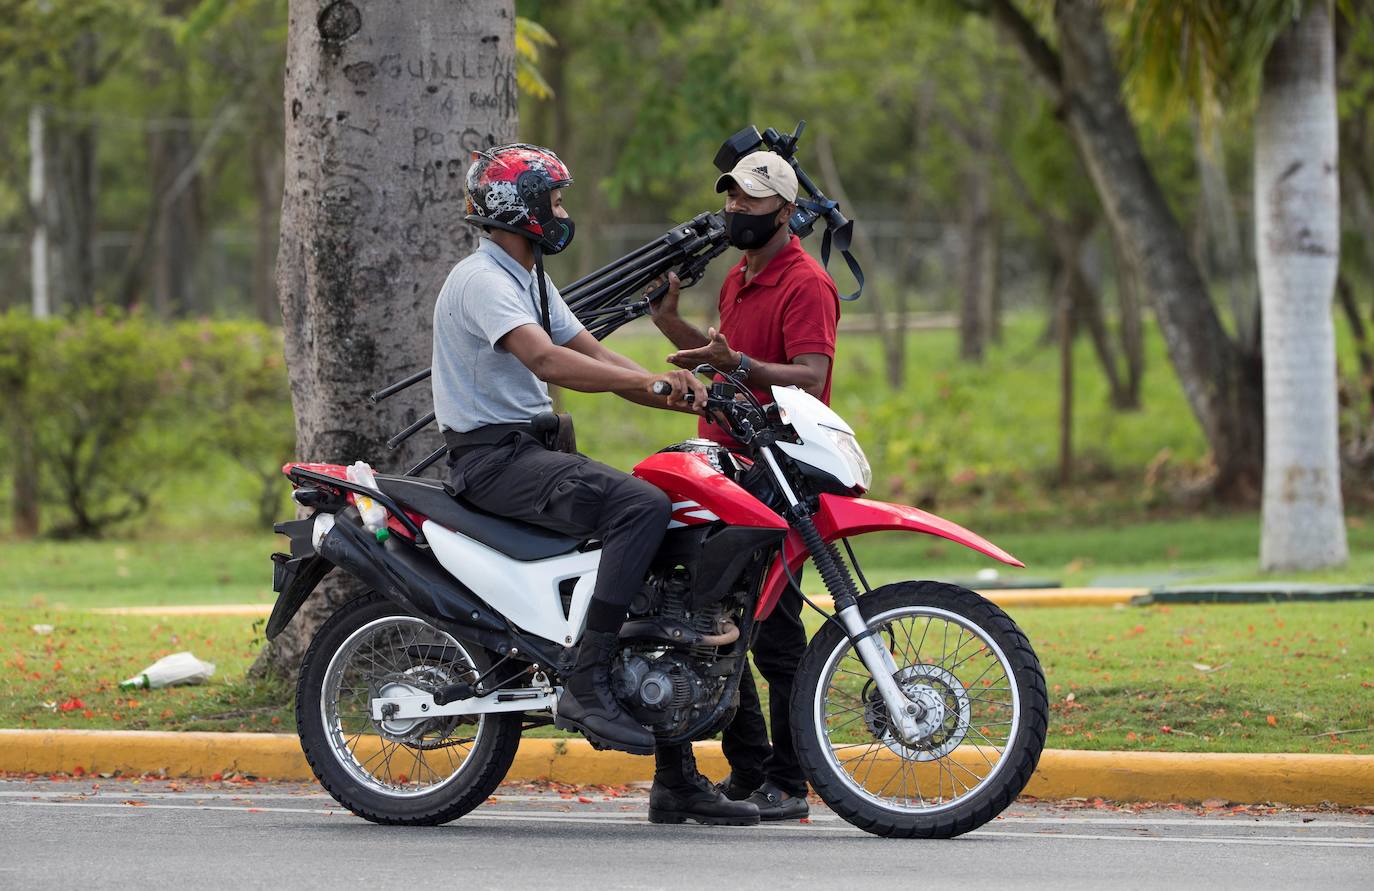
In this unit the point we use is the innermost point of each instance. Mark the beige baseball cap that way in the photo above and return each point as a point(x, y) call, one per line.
point(761, 174)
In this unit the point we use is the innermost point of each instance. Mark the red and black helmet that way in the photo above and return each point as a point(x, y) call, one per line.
point(509, 186)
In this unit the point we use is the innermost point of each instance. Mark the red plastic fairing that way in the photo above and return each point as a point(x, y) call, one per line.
point(843, 517)
point(689, 477)
point(338, 471)
point(334, 470)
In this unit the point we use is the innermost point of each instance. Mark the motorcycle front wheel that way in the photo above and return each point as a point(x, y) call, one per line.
point(976, 687)
point(415, 772)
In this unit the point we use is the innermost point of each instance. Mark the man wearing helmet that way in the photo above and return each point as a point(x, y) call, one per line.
point(779, 310)
point(502, 334)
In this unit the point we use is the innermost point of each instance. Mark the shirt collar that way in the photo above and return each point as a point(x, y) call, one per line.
point(522, 276)
point(771, 273)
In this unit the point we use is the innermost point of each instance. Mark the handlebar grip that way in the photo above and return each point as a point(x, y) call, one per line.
point(663, 388)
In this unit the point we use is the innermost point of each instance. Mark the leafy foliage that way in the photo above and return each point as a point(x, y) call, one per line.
point(112, 401)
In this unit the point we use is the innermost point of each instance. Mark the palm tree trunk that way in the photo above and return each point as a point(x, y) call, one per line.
point(1297, 243)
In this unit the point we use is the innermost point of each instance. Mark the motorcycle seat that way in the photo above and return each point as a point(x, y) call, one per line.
point(519, 541)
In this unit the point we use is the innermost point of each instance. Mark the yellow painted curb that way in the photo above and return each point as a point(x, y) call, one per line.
point(1119, 776)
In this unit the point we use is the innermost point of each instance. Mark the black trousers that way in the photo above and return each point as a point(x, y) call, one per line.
point(572, 494)
point(777, 652)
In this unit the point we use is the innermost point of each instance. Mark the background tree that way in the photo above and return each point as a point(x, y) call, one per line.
point(1297, 241)
point(384, 105)
point(1220, 378)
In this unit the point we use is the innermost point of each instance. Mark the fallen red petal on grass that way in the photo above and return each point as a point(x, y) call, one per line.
point(71, 705)
point(1165, 728)
point(1271, 720)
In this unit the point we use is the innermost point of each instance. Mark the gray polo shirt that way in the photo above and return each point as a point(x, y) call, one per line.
point(475, 382)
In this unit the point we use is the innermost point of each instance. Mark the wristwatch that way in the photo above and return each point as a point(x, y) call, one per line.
point(744, 365)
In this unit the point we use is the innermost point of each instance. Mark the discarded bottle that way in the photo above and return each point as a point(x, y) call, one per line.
point(178, 668)
point(373, 514)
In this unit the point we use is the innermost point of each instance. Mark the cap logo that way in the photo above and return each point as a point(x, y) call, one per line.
point(762, 171)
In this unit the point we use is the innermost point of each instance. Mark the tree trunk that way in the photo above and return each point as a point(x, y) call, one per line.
point(267, 187)
point(1063, 315)
point(74, 186)
point(177, 228)
point(1221, 384)
point(1132, 329)
point(25, 489)
point(1223, 394)
point(1217, 238)
point(38, 208)
point(1359, 334)
point(972, 324)
point(1297, 243)
point(384, 105)
point(990, 301)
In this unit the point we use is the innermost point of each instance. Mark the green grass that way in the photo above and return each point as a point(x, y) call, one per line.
point(138, 572)
point(1117, 677)
point(69, 678)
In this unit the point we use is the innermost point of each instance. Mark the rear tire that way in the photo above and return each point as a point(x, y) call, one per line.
point(339, 755)
point(821, 708)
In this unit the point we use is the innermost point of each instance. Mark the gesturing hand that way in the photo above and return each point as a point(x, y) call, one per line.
point(717, 353)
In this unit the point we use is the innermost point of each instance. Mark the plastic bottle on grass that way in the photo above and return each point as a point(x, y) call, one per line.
point(373, 514)
point(178, 668)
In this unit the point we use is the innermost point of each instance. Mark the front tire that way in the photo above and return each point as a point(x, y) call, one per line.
point(398, 772)
point(981, 695)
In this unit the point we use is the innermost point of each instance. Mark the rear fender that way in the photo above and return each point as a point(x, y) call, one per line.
point(842, 517)
point(296, 574)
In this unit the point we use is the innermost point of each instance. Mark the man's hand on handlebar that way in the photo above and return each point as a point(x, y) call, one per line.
point(683, 389)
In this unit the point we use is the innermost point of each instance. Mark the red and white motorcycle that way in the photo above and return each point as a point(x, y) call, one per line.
point(919, 709)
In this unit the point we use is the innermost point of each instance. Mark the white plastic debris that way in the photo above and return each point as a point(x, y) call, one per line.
point(178, 668)
point(41, 629)
point(987, 575)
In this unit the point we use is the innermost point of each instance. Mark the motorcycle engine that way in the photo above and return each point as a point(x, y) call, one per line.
point(660, 689)
point(665, 687)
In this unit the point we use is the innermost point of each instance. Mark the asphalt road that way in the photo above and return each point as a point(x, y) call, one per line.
point(184, 835)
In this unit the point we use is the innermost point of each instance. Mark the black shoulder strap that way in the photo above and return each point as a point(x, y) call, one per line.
point(842, 239)
point(543, 290)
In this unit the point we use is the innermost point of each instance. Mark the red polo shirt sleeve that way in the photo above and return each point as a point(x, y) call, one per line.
point(810, 315)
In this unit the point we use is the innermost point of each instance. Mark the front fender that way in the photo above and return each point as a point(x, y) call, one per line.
point(842, 517)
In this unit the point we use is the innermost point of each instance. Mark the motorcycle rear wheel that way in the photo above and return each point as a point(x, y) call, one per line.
point(977, 686)
point(398, 772)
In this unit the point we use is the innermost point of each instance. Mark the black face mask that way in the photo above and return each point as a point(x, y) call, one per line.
point(558, 234)
point(748, 231)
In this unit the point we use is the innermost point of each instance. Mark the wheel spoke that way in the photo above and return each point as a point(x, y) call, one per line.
point(404, 655)
point(942, 668)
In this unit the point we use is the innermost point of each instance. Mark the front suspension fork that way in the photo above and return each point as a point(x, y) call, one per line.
point(904, 714)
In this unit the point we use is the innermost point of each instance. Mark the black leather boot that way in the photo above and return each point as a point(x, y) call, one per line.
point(680, 793)
point(587, 703)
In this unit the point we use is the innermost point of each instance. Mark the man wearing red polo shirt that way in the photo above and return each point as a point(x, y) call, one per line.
point(778, 312)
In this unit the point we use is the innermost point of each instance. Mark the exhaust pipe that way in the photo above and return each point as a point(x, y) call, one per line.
point(401, 572)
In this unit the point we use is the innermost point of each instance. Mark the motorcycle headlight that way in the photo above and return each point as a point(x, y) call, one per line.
point(848, 445)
